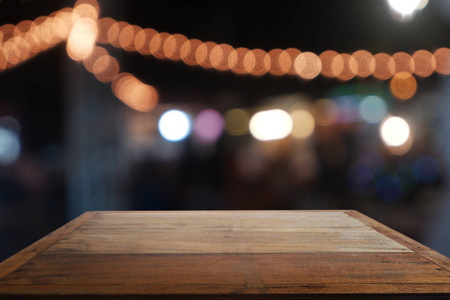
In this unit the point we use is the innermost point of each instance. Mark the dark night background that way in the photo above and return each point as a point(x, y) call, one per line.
point(79, 150)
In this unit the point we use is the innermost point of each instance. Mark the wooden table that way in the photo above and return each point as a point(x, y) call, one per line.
point(223, 254)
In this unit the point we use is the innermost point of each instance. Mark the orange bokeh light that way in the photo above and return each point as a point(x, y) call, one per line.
point(97, 52)
point(126, 37)
point(172, 46)
point(403, 85)
point(236, 60)
point(188, 51)
point(424, 62)
point(104, 24)
point(142, 40)
point(219, 56)
point(92, 3)
point(308, 65)
point(403, 62)
point(365, 62)
point(105, 68)
point(293, 53)
point(202, 54)
point(384, 66)
point(442, 57)
point(156, 45)
point(84, 10)
point(7, 32)
point(347, 63)
point(23, 27)
point(257, 62)
point(114, 32)
point(280, 62)
point(327, 59)
point(134, 93)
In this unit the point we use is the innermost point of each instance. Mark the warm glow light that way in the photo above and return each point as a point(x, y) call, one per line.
point(327, 59)
point(442, 57)
point(188, 51)
point(257, 62)
point(142, 40)
point(236, 121)
point(308, 65)
point(280, 62)
point(127, 36)
point(203, 54)
point(349, 66)
point(208, 125)
point(114, 33)
point(271, 125)
point(134, 93)
point(403, 62)
point(219, 56)
point(365, 63)
point(384, 66)
point(104, 25)
point(403, 85)
point(424, 62)
point(106, 69)
point(96, 53)
point(293, 54)
point(303, 123)
point(82, 39)
point(174, 125)
point(404, 7)
point(372, 109)
point(157, 45)
point(403, 148)
point(172, 46)
point(236, 60)
point(394, 131)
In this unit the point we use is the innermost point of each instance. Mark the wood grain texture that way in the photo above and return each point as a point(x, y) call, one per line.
point(216, 232)
point(218, 255)
point(12, 263)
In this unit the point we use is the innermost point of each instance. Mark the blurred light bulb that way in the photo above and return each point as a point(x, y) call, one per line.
point(405, 7)
point(372, 109)
point(395, 131)
point(174, 125)
point(271, 125)
point(9, 146)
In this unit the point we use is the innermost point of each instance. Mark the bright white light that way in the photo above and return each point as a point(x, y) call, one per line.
point(271, 125)
point(174, 125)
point(394, 131)
point(372, 109)
point(9, 146)
point(405, 7)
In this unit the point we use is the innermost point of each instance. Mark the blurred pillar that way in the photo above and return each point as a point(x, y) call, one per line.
point(95, 162)
point(437, 236)
point(95, 159)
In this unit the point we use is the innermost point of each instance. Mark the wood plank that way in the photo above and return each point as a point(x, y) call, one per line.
point(241, 232)
point(363, 273)
point(415, 246)
point(11, 264)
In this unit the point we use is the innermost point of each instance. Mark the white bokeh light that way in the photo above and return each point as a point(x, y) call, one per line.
point(174, 125)
point(271, 125)
point(406, 7)
point(395, 131)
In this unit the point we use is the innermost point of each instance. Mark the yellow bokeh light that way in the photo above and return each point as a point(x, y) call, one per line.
point(394, 131)
point(303, 123)
point(271, 125)
point(236, 121)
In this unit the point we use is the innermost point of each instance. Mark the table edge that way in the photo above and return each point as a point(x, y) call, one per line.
point(20, 258)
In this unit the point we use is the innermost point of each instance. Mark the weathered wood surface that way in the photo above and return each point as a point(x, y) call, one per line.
point(220, 254)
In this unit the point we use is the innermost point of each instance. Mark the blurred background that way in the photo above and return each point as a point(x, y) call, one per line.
point(299, 128)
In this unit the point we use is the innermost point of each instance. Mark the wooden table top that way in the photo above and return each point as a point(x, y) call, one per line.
point(223, 254)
